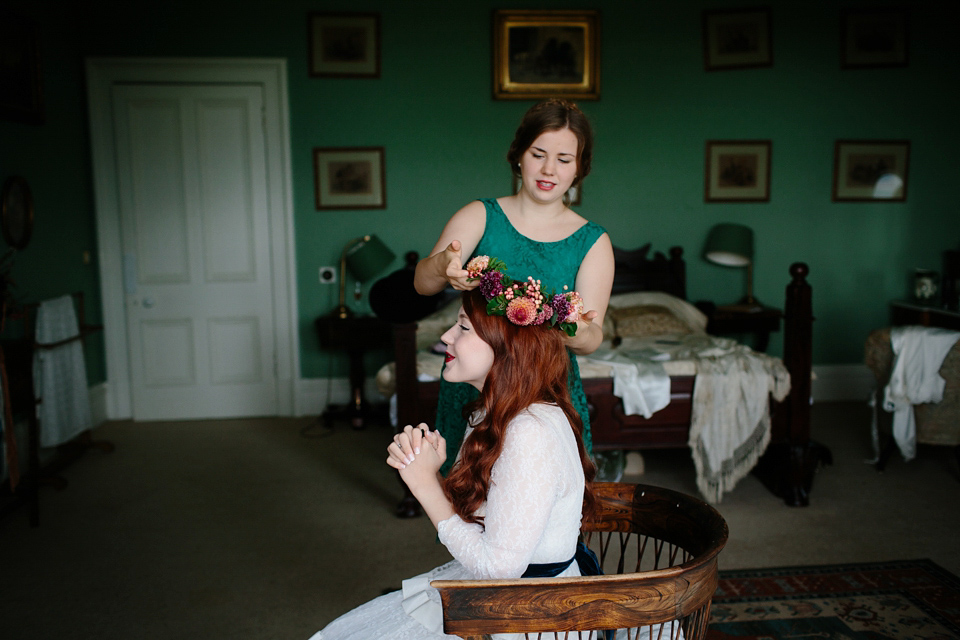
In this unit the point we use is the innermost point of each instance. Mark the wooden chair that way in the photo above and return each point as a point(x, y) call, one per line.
point(659, 552)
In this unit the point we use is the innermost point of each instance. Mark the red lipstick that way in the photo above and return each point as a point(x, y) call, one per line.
point(447, 357)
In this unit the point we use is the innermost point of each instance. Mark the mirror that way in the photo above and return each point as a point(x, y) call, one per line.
point(16, 216)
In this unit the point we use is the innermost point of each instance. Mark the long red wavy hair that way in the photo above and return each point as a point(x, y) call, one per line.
point(530, 365)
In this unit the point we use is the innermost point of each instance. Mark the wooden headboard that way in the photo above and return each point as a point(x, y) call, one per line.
point(636, 272)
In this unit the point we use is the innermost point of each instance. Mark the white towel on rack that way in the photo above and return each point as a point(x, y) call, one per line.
point(59, 375)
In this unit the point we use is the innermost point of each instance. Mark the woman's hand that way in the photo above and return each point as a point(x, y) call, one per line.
point(450, 262)
point(418, 453)
point(413, 441)
point(586, 339)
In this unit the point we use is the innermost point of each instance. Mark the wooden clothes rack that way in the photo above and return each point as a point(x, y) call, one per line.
point(20, 399)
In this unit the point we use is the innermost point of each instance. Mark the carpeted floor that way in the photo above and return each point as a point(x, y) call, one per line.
point(901, 599)
point(256, 529)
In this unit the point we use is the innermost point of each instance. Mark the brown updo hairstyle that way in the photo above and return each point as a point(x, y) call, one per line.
point(553, 115)
point(530, 365)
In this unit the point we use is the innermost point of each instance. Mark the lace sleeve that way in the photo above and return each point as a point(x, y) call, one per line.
point(525, 484)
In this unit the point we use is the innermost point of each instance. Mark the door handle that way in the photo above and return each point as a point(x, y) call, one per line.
point(148, 303)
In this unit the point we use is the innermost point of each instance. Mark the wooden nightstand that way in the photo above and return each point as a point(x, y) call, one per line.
point(355, 335)
point(727, 320)
point(903, 312)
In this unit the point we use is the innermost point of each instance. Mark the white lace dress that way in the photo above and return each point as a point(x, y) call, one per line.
point(532, 515)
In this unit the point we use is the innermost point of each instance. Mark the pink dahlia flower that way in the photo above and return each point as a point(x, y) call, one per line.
point(522, 311)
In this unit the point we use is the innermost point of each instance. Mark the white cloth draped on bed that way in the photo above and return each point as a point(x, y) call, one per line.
point(730, 421)
point(59, 375)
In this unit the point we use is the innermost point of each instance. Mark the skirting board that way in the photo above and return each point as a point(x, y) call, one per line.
point(314, 394)
point(831, 383)
point(841, 382)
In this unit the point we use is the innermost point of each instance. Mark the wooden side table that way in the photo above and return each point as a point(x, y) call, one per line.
point(355, 335)
point(903, 312)
point(727, 320)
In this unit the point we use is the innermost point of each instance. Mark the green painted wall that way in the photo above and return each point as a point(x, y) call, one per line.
point(445, 141)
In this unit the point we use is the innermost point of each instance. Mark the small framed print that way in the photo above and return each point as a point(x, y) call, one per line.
point(870, 170)
point(873, 38)
point(349, 178)
point(737, 171)
point(547, 53)
point(571, 197)
point(21, 98)
point(737, 39)
point(344, 45)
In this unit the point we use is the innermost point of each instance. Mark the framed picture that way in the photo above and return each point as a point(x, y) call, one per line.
point(737, 171)
point(543, 54)
point(737, 39)
point(20, 97)
point(573, 193)
point(344, 45)
point(873, 38)
point(349, 178)
point(870, 170)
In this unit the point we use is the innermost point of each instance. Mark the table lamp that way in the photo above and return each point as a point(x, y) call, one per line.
point(365, 257)
point(731, 245)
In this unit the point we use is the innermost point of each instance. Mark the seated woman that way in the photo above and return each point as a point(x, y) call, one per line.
point(513, 501)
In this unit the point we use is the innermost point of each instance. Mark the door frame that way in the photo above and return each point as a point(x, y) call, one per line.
point(271, 74)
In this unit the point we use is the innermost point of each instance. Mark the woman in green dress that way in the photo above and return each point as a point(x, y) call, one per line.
point(539, 235)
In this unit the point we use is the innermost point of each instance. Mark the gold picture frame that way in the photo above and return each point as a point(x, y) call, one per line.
point(870, 170)
point(740, 39)
point(737, 171)
point(349, 178)
point(546, 53)
point(873, 38)
point(344, 45)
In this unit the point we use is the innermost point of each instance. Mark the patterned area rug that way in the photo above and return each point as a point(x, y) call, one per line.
point(903, 599)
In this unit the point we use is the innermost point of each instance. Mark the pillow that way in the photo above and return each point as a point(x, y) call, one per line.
point(688, 314)
point(647, 320)
point(436, 324)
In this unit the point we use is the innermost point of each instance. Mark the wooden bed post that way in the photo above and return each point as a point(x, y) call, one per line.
point(408, 410)
point(792, 458)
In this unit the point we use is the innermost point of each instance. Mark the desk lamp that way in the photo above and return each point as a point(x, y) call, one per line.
point(365, 257)
point(731, 245)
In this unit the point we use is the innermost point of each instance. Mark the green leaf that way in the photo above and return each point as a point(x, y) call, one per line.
point(497, 306)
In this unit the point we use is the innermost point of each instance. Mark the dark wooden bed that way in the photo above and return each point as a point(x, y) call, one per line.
point(790, 460)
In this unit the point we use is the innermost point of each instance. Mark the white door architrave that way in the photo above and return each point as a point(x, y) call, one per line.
point(270, 74)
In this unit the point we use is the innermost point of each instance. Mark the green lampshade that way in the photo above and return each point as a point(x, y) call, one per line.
point(730, 245)
point(368, 257)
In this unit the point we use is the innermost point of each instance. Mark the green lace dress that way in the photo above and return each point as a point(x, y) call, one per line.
point(555, 264)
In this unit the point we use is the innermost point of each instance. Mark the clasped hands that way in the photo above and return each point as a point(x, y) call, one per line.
point(417, 453)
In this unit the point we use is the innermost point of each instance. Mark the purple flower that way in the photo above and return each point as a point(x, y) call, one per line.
point(561, 307)
point(490, 285)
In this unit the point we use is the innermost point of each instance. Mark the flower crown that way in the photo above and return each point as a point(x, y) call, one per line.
point(524, 303)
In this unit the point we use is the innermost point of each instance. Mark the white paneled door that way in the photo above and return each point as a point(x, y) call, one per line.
point(196, 250)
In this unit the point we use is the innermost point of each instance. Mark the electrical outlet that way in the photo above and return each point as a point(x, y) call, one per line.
point(328, 275)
